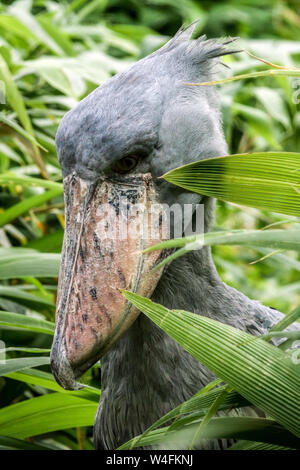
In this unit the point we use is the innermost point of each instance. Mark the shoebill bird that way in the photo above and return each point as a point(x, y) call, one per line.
point(116, 143)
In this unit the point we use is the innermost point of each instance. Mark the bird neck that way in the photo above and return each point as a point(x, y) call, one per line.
point(192, 283)
point(147, 373)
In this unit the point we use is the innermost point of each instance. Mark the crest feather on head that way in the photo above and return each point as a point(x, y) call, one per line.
point(197, 50)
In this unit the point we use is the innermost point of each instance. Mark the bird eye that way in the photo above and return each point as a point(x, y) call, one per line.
point(126, 164)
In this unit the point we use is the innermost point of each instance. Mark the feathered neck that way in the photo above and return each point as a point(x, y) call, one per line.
point(146, 374)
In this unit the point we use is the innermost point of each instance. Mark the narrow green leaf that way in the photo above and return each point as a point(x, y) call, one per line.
point(277, 239)
point(20, 130)
point(282, 334)
point(46, 380)
point(20, 296)
point(27, 350)
point(13, 365)
point(292, 72)
point(266, 180)
point(248, 445)
point(51, 242)
point(11, 178)
point(208, 416)
point(257, 370)
point(13, 25)
point(23, 14)
point(17, 320)
point(198, 406)
point(15, 100)
point(27, 204)
point(9, 443)
point(260, 123)
point(287, 320)
point(34, 264)
point(254, 429)
point(57, 35)
point(52, 412)
point(14, 97)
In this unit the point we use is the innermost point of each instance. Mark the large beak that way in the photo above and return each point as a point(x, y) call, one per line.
point(108, 224)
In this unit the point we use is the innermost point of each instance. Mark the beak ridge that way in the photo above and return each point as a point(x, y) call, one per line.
point(102, 252)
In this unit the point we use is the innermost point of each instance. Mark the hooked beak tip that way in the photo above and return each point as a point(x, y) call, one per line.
point(62, 370)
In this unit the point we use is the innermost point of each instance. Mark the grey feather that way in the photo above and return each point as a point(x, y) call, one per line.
point(147, 374)
point(150, 110)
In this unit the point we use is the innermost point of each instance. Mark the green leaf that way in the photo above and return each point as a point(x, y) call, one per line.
point(15, 100)
point(14, 97)
point(20, 11)
point(208, 416)
point(24, 206)
point(51, 242)
point(259, 123)
point(17, 320)
point(277, 239)
point(248, 445)
point(13, 365)
point(33, 264)
point(13, 25)
point(266, 180)
point(46, 380)
point(19, 297)
point(255, 429)
point(287, 320)
point(257, 370)
point(282, 334)
point(273, 103)
point(57, 35)
point(264, 73)
point(47, 413)
point(11, 178)
point(19, 130)
point(198, 406)
point(52, 71)
point(27, 350)
point(9, 443)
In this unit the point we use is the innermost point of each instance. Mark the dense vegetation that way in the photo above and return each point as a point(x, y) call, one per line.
point(52, 54)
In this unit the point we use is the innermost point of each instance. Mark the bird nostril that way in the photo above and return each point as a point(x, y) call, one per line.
point(85, 172)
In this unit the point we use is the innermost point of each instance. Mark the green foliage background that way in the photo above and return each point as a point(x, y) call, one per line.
point(52, 54)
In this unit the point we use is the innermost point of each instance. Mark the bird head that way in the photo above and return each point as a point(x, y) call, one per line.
point(113, 147)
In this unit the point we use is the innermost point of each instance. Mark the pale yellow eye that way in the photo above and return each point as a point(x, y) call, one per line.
point(126, 164)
